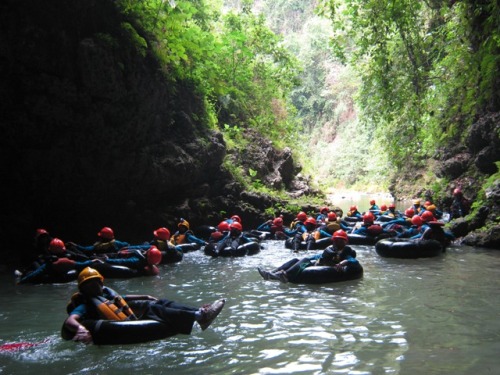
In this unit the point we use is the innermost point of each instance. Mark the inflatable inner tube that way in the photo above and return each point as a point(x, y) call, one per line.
point(320, 244)
point(187, 247)
point(360, 239)
point(109, 332)
point(408, 249)
point(171, 256)
point(324, 274)
point(250, 248)
point(115, 272)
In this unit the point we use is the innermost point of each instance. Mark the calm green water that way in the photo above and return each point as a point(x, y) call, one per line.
point(427, 316)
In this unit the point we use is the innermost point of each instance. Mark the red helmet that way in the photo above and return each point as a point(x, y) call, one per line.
point(236, 218)
point(302, 216)
point(236, 226)
point(323, 209)
point(416, 220)
point(57, 246)
point(372, 202)
point(223, 226)
point(409, 212)
point(162, 234)
point(392, 205)
point(332, 216)
point(428, 216)
point(106, 233)
point(153, 255)
point(368, 218)
point(340, 234)
point(40, 232)
point(310, 220)
point(278, 221)
point(427, 203)
point(383, 207)
point(353, 208)
point(457, 191)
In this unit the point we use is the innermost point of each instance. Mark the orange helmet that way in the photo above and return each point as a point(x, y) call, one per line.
point(184, 223)
point(236, 226)
point(431, 207)
point(368, 218)
point(153, 255)
point(106, 233)
point(372, 202)
point(89, 273)
point(417, 220)
point(302, 216)
point(162, 234)
point(236, 218)
point(332, 216)
point(57, 246)
point(340, 234)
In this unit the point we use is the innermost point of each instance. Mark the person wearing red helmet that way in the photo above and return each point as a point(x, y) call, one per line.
point(56, 266)
point(276, 229)
point(106, 244)
point(338, 255)
point(169, 252)
point(94, 301)
point(323, 215)
point(460, 206)
point(415, 228)
point(305, 231)
point(235, 243)
point(369, 228)
point(354, 213)
point(330, 226)
point(374, 208)
point(143, 262)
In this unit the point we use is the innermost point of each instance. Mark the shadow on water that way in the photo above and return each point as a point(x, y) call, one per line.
point(425, 316)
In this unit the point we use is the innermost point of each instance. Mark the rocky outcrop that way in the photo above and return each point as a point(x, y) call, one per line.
point(94, 132)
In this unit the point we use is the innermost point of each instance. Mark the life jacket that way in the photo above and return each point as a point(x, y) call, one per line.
point(161, 245)
point(115, 309)
point(332, 227)
point(293, 224)
point(312, 233)
point(178, 238)
point(104, 247)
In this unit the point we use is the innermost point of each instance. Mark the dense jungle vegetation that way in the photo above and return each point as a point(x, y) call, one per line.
point(366, 88)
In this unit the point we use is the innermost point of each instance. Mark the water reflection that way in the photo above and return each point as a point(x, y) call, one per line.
point(437, 315)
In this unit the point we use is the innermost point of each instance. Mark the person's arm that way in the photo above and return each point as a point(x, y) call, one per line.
point(82, 334)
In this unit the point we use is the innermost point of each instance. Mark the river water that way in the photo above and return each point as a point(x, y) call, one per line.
point(426, 316)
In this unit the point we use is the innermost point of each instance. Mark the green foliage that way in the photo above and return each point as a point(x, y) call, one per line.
point(426, 68)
